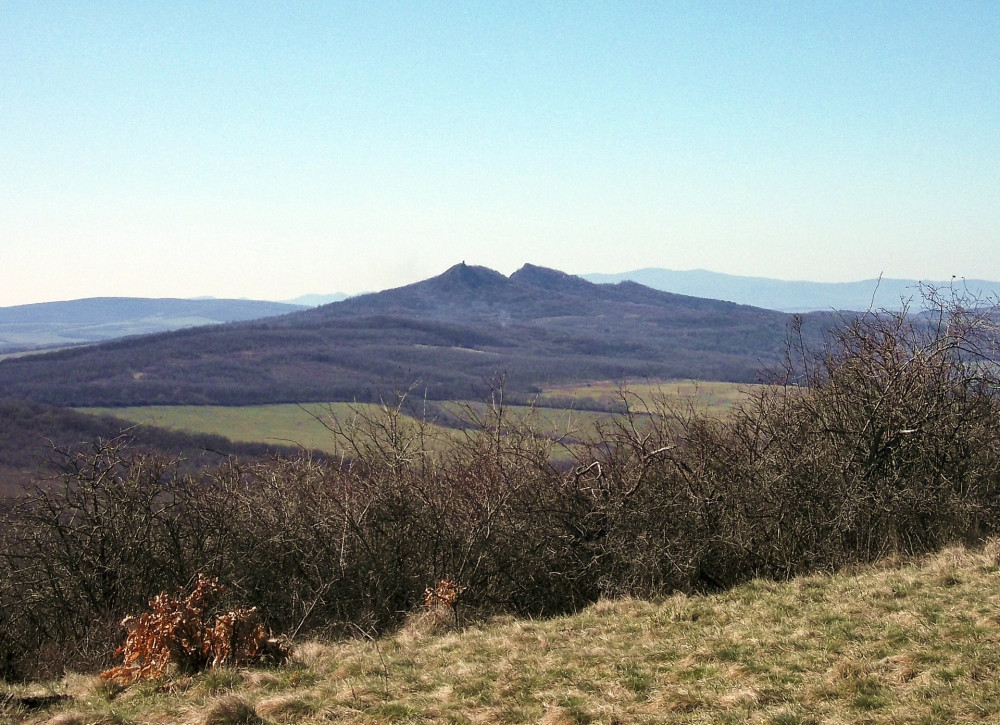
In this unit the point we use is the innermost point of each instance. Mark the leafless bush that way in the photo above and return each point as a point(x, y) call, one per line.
point(885, 440)
point(81, 549)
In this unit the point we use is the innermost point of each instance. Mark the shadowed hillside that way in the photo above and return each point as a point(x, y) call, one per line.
point(453, 333)
point(29, 432)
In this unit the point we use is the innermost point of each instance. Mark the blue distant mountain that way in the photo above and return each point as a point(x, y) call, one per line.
point(317, 300)
point(74, 322)
point(794, 296)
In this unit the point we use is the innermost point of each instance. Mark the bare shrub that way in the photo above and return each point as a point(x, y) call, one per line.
point(883, 441)
point(79, 550)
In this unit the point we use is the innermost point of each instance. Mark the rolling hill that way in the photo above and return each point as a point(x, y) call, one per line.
point(74, 322)
point(453, 333)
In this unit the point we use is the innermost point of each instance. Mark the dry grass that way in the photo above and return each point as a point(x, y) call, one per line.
point(230, 710)
point(898, 643)
point(714, 397)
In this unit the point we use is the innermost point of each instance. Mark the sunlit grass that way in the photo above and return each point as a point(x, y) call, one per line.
point(300, 425)
point(895, 643)
point(552, 422)
point(285, 424)
point(708, 396)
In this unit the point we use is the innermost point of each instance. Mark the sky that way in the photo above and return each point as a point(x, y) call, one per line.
point(268, 150)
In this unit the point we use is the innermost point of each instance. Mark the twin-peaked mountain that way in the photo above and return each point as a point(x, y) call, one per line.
point(451, 334)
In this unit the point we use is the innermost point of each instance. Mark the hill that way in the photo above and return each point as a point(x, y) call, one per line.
point(453, 333)
point(47, 324)
point(791, 296)
point(905, 643)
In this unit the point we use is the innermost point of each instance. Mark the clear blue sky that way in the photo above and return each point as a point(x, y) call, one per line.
point(266, 150)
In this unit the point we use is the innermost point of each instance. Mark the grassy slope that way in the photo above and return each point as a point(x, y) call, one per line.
point(912, 643)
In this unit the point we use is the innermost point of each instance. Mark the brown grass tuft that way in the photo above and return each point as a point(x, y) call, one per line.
point(740, 698)
point(559, 716)
point(285, 707)
point(230, 710)
point(682, 701)
point(309, 653)
point(67, 718)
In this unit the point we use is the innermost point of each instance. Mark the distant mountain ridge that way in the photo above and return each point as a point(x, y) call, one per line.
point(315, 300)
point(452, 333)
point(94, 319)
point(791, 296)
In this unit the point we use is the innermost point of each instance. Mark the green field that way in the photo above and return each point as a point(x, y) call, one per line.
point(297, 425)
point(286, 424)
point(554, 422)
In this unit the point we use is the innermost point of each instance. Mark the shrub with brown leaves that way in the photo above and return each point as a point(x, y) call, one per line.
point(239, 639)
point(444, 595)
point(440, 601)
point(177, 633)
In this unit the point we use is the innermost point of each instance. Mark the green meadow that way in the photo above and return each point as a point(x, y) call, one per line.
point(302, 424)
point(287, 424)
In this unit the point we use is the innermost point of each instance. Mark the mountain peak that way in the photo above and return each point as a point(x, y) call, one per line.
point(548, 278)
point(452, 332)
point(469, 276)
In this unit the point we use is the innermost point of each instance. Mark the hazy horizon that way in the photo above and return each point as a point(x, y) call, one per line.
point(268, 152)
point(314, 293)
